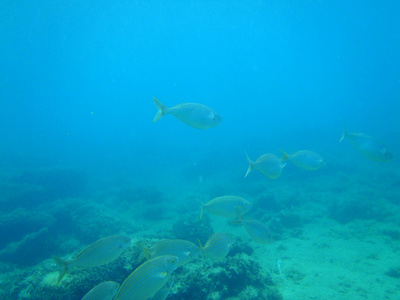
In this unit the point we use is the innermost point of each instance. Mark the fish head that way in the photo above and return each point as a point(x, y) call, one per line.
point(124, 243)
point(322, 163)
point(246, 206)
point(215, 117)
point(171, 263)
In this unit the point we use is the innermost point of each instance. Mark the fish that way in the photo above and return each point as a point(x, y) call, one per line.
point(257, 230)
point(226, 206)
point(193, 114)
point(163, 293)
point(103, 291)
point(305, 159)
point(268, 164)
point(368, 146)
point(186, 251)
point(148, 278)
point(217, 247)
point(101, 252)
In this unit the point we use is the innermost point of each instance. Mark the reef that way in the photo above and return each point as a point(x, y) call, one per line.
point(191, 229)
point(41, 282)
point(238, 276)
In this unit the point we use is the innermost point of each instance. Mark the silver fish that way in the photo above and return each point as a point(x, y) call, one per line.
point(148, 278)
point(99, 253)
point(368, 146)
point(226, 206)
point(269, 164)
point(217, 246)
point(257, 230)
point(103, 291)
point(194, 114)
point(305, 159)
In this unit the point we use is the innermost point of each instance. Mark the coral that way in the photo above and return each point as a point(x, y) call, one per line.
point(33, 248)
point(20, 222)
point(191, 229)
point(41, 282)
point(232, 277)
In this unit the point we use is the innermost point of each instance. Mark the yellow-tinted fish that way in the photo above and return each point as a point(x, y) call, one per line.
point(103, 291)
point(163, 293)
point(368, 146)
point(99, 253)
point(257, 230)
point(217, 247)
point(186, 251)
point(194, 114)
point(226, 206)
point(269, 164)
point(148, 278)
point(305, 159)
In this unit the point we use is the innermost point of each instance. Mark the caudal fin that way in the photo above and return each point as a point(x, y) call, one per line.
point(145, 254)
point(344, 135)
point(285, 156)
point(202, 210)
point(63, 265)
point(202, 252)
point(238, 220)
point(160, 109)
point(251, 165)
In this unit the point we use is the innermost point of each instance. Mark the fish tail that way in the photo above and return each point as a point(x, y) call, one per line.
point(202, 252)
point(202, 210)
point(285, 156)
point(146, 253)
point(251, 165)
point(63, 265)
point(344, 134)
point(238, 220)
point(160, 109)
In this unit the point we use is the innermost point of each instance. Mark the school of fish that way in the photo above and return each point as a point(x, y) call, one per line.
point(154, 279)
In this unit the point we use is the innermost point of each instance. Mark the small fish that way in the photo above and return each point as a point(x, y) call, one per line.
point(368, 146)
point(186, 251)
point(148, 278)
point(103, 291)
point(226, 206)
point(194, 114)
point(99, 253)
point(163, 293)
point(257, 230)
point(269, 164)
point(305, 159)
point(217, 247)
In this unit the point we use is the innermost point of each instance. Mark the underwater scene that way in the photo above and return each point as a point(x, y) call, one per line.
point(200, 150)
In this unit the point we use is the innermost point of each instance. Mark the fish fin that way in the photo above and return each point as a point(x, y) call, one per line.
point(251, 165)
point(239, 216)
point(344, 135)
point(202, 210)
point(285, 156)
point(202, 253)
point(160, 109)
point(63, 265)
point(146, 253)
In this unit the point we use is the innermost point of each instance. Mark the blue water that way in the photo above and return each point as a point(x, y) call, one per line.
point(78, 77)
